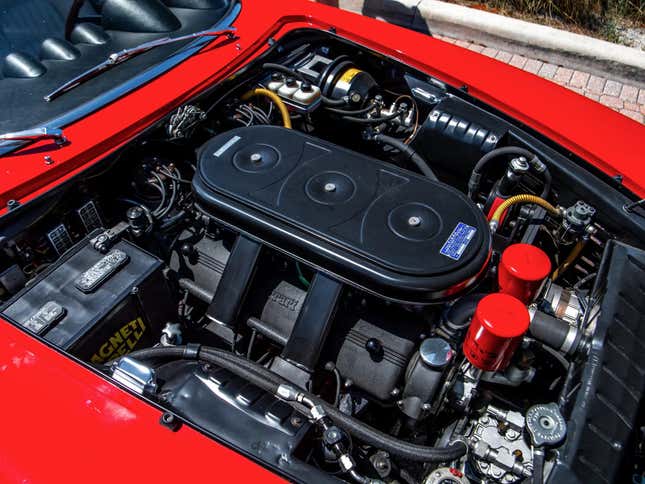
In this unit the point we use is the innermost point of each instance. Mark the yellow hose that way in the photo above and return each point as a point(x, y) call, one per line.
point(573, 255)
point(286, 120)
point(524, 198)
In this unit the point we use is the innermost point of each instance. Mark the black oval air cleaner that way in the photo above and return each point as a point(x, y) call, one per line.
point(371, 224)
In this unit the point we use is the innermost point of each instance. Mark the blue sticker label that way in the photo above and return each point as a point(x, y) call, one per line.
point(459, 239)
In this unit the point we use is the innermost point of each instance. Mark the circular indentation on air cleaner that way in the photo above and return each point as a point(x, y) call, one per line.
point(256, 158)
point(330, 188)
point(414, 221)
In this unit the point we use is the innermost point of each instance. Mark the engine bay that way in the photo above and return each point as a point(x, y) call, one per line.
point(348, 270)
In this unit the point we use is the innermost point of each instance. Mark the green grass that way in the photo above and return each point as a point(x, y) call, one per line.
point(591, 14)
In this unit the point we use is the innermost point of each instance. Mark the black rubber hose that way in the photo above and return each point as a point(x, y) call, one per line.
point(462, 310)
point(383, 119)
point(547, 182)
point(350, 112)
point(333, 102)
point(407, 150)
point(538, 467)
point(553, 332)
point(475, 178)
point(269, 381)
point(284, 69)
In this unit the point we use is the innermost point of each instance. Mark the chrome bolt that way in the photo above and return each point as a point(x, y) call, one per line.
point(49, 160)
point(414, 221)
point(330, 187)
point(520, 165)
point(256, 157)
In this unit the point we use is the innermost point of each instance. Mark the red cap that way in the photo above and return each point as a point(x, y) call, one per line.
point(496, 330)
point(522, 269)
point(503, 315)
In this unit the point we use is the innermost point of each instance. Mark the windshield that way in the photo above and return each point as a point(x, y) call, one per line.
point(45, 43)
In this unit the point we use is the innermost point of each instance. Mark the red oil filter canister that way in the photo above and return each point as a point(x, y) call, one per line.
point(522, 269)
point(495, 332)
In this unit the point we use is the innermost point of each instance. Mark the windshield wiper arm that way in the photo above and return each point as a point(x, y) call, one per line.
point(125, 54)
point(36, 134)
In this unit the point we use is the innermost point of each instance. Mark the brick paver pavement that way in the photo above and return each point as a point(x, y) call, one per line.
point(624, 98)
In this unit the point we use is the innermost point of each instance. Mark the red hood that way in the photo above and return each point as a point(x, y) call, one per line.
point(92, 415)
point(607, 140)
point(94, 428)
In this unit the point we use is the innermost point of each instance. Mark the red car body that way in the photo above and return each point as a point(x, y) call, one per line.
point(62, 421)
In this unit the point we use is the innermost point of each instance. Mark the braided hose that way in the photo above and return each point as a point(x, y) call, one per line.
point(523, 198)
point(573, 255)
point(286, 120)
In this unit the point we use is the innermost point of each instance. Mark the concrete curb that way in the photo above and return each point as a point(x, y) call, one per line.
point(532, 40)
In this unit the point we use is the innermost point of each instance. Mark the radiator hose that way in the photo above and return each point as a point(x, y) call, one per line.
point(268, 381)
point(457, 317)
point(407, 150)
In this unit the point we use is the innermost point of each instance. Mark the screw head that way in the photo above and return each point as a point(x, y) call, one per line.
point(414, 221)
point(355, 97)
point(49, 160)
point(256, 157)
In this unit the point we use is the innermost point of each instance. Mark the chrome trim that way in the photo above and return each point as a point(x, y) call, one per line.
point(569, 339)
point(36, 134)
point(134, 375)
point(128, 86)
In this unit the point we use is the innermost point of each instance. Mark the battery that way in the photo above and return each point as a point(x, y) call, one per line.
point(96, 306)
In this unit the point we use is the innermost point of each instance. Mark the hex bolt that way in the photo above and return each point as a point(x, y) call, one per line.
point(330, 187)
point(49, 160)
point(497, 473)
point(296, 421)
point(256, 157)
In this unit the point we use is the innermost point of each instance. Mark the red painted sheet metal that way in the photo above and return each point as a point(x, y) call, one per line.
point(66, 424)
point(607, 140)
point(62, 423)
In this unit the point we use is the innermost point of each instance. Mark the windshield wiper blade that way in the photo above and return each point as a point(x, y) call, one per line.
point(36, 134)
point(118, 57)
